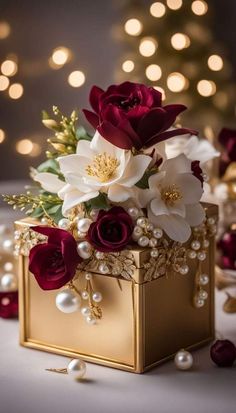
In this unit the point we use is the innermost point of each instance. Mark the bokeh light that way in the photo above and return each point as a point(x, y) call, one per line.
point(215, 62)
point(9, 67)
point(199, 7)
point(60, 56)
point(2, 135)
point(4, 82)
point(15, 91)
point(206, 87)
point(147, 46)
point(180, 41)
point(128, 66)
point(176, 82)
point(24, 146)
point(157, 9)
point(174, 4)
point(133, 27)
point(153, 72)
point(5, 30)
point(76, 78)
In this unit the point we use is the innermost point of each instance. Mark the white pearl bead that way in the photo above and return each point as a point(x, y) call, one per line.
point(16, 235)
point(8, 282)
point(76, 369)
point(153, 242)
point(211, 221)
point(103, 268)
point(7, 244)
point(206, 243)
point(85, 311)
point(64, 223)
point(137, 232)
point(199, 302)
point(133, 212)
point(201, 255)
point(150, 227)
point(142, 222)
point(44, 221)
point(192, 254)
point(157, 233)
point(67, 301)
point(184, 269)
point(85, 295)
point(90, 320)
point(154, 253)
point(84, 224)
point(97, 297)
point(84, 249)
point(8, 266)
point(183, 360)
point(203, 295)
point(88, 276)
point(203, 279)
point(143, 241)
point(195, 245)
point(99, 255)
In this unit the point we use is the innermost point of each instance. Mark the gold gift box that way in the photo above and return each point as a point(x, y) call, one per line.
point(143, 323)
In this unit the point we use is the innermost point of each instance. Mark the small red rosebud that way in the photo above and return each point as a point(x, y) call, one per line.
point(223, 353)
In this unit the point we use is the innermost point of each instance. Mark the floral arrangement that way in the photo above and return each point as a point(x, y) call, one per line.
point(136, 182)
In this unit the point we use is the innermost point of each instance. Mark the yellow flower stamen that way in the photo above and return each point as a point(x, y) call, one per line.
point(103, 167)
point(170, 194)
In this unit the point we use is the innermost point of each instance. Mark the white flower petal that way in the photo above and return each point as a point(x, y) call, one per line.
point(75, 197)
point(135, 169)
point(81, 184)
point(49, 182)
point(72, 164)
point(118, 193)
point(174, 226)
point(155, 180)
point(100, 145)
point(178, 208)
point(195, 214)
point(200, 149)
point(158, 207)
point(190, 188)
point(84, 149)
point(178, 165)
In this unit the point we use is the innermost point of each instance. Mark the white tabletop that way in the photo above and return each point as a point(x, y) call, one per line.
point(25, 386)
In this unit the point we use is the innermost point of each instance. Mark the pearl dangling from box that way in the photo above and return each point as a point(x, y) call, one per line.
point(67, 301)
point(183, 360)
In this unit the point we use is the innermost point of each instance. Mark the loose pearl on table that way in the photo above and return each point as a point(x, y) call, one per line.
point(64, 223)
point(143, 241)
point(84, 224)
point(85, 311)
point(183, 360)
point(8, 282)
point(97, 297)
point(67, 301)
point(203, 279)
point(84, 249)
point(157, 233)
point(76, 369)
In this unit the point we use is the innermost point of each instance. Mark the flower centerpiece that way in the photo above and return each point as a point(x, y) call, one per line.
point(100, 197)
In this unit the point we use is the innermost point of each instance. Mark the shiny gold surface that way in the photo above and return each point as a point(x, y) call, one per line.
point(143, 324)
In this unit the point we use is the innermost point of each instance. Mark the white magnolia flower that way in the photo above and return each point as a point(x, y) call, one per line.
point(49, 182)
point(173, 199)
point(194, 148)
point(98, 166)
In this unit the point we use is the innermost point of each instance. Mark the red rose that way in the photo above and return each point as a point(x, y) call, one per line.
point(227, 246)
point(197, 171)
point(227, 139)
point(9, 304)
point(223, 353)
point(131, 115)
point(54, 263)
point(112, 230)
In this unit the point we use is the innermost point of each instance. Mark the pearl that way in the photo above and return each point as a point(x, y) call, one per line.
point(7, 244)
point(203, 279)
point(97, 297)
point(76, 369)
point(142, 222)
point(154, 253)
point(157, 233)
point(206, 243)
point(85, 295)
point(201, 255)
point(133, 212)
point(137, 232)
point(64, 223)
point(143, 241)
point(44, 221)
point(16, 235)
point(90, 320)
point(85, 311)
point(183, 360)
point(203, 295)
point(84, 249)
point(192, 254)
point(88, 276)
point(184, 269)
point(195, 245)
point(211, 221)
point(67, 301)
point(103, 268)
point(153, 242)
point(8, 282)
point(199, 302)
point(8, 266)
point(84, 224)
point(99, 255)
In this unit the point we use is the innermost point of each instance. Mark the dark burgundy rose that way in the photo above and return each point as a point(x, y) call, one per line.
point(227, 246)
point(54, 263)
point(197, 171)
point(223, 353)
point(227, 139)
point(131, 115)
point(112, 230)
point(9, 304)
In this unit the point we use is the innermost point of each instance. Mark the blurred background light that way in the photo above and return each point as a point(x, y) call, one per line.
point(206, 87)
point(180, 41)
point(215, 62)
point(60, 55)
point(24, 146)
point(15, 91)
point(4, 82)
point(176, 82)
point(76, 78)
point(174, 4)
point(153, 72)
point(9, 68)
point(147, 46)
point(128, 66)
point(133, 27)
point(5, 30)
point(157, 9)
point(2, 135)
point(199, 7)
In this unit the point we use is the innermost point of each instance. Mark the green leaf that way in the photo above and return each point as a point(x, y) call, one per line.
point(143, 182)
point(51, 165)
point(58, 215)
point(100, 202)
point(53, 209)
point(82, 134)
point(37, 213)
